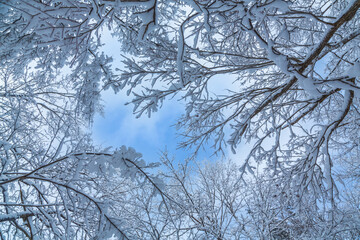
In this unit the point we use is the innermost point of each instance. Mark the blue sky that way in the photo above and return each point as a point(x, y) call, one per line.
point(119, 126)
point(149, 136)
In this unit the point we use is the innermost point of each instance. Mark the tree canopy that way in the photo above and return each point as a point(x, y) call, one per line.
point(295, 100)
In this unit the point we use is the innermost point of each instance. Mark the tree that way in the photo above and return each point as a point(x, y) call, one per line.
point(212, 201)
point(295, 65)
point(296, 68)
point(53, 182)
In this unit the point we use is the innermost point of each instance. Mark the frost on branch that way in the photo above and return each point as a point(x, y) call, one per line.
point(53, 183)
point(86, 188)
point(294, 64)
point(294, 98)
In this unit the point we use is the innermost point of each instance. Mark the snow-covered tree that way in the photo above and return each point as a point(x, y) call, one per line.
point(296, 74)
point(53, 183)
point(295, 92)
point(295, 68)
point(212, 201)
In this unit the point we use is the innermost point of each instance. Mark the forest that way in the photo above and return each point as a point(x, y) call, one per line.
point(294, 101)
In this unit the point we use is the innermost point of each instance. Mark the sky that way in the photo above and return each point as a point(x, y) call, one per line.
point(150, 136)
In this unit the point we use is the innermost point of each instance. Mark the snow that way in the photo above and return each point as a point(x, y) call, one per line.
point(193, 4)
point(285, 34)
point(4, 144)
point(345, 86)
point(180, 53)
point(327, 170)
point(148, 22)
point(354, 71)
point(280, 61)
point(308, 85)
point(148, 3)
point(280, 5)
point(12, 216)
